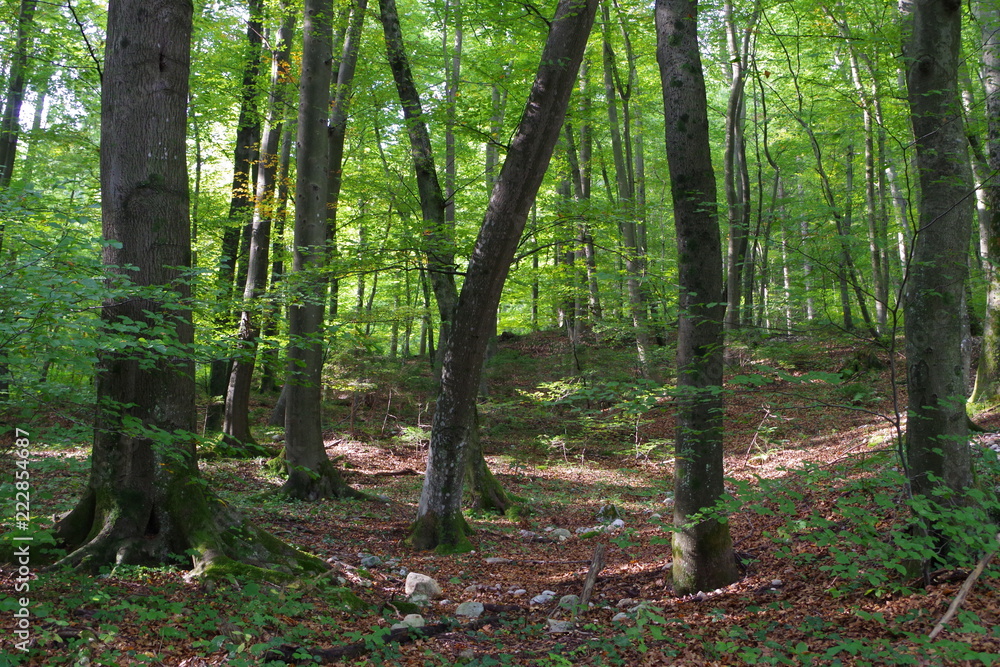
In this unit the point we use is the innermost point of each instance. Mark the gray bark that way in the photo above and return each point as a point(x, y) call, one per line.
point(439, 522)
point(703, 553)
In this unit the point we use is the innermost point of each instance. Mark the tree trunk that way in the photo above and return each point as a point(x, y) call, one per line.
point(144, 502)
point(703, 553)
point(438, 223)
point(10, 127)
point(236, 426)
point(240, 210)
point(987, 388)
point(311, 475)
point(439, 522)
point(937, 448)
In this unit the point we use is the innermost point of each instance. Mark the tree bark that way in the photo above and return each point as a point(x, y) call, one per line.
point(10, 127)
point(311, 475)
point(937, 448)
point(439, 524)
point(236, 426)
point(703, 553)
point(987, 389)
point(240, 210)
point(144, 502)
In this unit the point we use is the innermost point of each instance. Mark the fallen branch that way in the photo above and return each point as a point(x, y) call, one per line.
point(963, 592)
point(596, 565)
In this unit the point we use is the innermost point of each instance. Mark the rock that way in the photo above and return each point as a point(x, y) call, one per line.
point(561, 534)
point(620, 617)
point(472, 589)
point(519, 592)
point(414, 620)
point(470, 609)
point(527, 534)
point(617, 524)
point(421, 584)
point(494, 560)
point(467, 654)
point(569, 601)
point(655, 516)
point(777, 583)
point(625, 602)
point(559, 626)
point(608, 513)
point(368, 561)
point(544, 597)
point(420, 599)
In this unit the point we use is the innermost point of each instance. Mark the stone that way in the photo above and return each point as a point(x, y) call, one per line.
point(519, 592)
point(419, 599)
point(369, 561)
point(617, 524)
point(561, 534)
point(421, 584)
point(559, 626)
point(470, 609)
point(544, 597)
point(655, 516)
point(414, 620)
point(472, 589)
point(620, 617)
point(495, 560)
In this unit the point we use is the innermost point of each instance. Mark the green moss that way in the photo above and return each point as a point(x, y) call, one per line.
point(222, 568)
point(447, 535)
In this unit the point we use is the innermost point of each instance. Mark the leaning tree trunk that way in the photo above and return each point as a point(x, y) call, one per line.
point(144, 502)
point(10, 128)
point(438, 226)
point(439, 522)
point(937, 448)
point(987, 388)
point(311, 474)
point(703, 552)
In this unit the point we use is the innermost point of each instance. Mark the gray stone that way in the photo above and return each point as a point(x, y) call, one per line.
point(561, 534)
point(519, 592)
point(420, 599)
point(413, 621)
point(369, 561)
point(544, 597)
point(559, 626)
point(608, 513)
point(620, 617)
point(470, 609)
point(421, 584)
point(494, 560)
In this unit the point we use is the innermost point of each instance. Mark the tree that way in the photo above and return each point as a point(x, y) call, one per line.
point(144, 500)
point(987, 387)
point(439, 522)
point(236, 426)
point(311, 474)
point(703, 552)
point(937, 451)
point(10, 128)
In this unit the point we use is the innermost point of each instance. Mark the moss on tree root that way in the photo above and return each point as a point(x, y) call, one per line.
point(443, 535)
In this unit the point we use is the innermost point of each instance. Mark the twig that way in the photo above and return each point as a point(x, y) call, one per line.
point(963, 592)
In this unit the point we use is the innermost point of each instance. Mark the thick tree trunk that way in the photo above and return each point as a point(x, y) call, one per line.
point(144, 502)
point(703, 553)
point(937, 448)
point(311, 475)
point(439, 522)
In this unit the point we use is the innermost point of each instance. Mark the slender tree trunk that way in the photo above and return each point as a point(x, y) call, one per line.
point(937, 451)
point(240, 210)
point(987, 389)
point(236, 426)
point(439, 522)
point(311, 475)
point(703, 553)
point(10, 124)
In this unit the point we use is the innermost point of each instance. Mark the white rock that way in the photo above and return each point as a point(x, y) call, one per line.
point(470, 609)
point(620, 617)
point(777, 583)
point(560, 626)
point(561, 534)
point(544, 597)
point(655, 516)
point(474, 588)
point(421, 584)
point(495, 560)
point(519, 592)
point(617, 524)
point(625, 602)
point(414, 620)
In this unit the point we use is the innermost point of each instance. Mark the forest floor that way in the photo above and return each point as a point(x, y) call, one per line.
point(817, 529)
